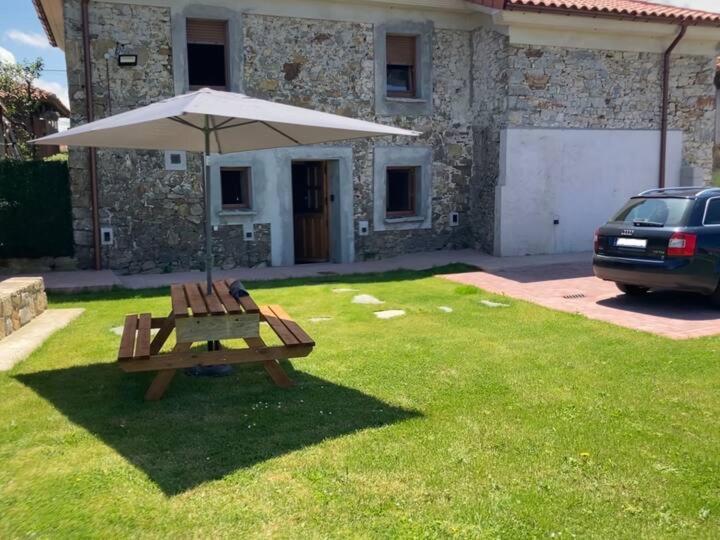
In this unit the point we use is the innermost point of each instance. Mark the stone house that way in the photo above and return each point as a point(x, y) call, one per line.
point(539, 118)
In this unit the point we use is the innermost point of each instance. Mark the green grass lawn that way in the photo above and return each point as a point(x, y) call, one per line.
point(485, 422)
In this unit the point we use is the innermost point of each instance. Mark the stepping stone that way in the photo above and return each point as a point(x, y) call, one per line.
point(366, 299)
point(489, 303)
point(341, 290)
point(390, 313)
point(445, 309)
point(320, 319)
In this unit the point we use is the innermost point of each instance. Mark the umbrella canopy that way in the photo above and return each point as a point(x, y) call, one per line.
point(238, 123)
point(211, 121)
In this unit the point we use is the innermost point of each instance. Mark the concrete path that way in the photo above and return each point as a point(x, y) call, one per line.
point(572, 287)
point(21, 343)
point(89, 280)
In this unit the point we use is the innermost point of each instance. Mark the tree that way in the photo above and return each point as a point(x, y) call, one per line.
point(20, 102)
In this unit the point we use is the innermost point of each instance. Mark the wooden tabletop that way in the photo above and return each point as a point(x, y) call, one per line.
point(192, 300)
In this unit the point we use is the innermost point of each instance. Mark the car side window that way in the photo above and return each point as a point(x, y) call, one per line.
point(712, 214)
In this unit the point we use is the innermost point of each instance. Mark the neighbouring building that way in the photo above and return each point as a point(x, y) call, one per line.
point(539, 118)
point(44, 122)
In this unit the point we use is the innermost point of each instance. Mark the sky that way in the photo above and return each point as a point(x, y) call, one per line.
point(22, 38)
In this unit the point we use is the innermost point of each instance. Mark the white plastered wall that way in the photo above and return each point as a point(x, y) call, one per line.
point(578, 177)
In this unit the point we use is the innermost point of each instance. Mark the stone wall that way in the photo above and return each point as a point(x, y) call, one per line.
point(489, 109)
point(21, 300)
point(328, 66)
point(481, 84)
point(156, 215)
point(580, 88)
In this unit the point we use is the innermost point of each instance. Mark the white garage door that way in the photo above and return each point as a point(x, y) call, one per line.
point(557, 186)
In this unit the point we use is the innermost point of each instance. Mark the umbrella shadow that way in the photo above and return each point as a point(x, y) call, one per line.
point(205, 429)
point(546, 272)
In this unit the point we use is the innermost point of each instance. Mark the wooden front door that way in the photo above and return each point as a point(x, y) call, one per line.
point(310, 211)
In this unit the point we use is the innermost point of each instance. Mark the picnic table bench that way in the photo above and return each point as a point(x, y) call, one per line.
point(197, 317)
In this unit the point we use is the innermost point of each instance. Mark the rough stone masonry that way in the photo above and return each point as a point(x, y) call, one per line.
point(21, 300)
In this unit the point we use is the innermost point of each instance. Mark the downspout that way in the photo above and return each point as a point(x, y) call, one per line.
point(665, 100)
point(90, 116)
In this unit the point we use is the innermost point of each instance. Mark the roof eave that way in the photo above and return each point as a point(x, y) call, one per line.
point(44, 21)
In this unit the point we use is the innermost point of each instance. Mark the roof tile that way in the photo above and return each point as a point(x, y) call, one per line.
point(630, 9)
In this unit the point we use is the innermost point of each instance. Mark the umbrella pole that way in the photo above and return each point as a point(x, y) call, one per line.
point(212, 345)
point(208, 210)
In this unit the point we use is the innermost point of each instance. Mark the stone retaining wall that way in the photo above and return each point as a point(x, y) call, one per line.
point(21, 300)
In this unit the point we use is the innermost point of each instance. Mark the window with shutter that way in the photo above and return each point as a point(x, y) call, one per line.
point(401, 66)
point(206, 53)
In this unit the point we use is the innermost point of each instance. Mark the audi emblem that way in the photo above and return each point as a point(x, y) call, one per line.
point(627, 232)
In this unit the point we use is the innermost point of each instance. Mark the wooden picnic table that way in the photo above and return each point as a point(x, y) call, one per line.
point(197, 317)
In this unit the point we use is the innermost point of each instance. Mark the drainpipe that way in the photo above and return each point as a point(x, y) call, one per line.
point(665, 100)
point(90, 116)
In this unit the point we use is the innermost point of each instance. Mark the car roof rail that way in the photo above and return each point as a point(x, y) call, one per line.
point(659, 190)
point(707, 190)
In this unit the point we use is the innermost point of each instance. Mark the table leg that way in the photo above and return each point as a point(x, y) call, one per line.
point(163, 378)
point(272, 367)
point(277, 374)
point(163, 334)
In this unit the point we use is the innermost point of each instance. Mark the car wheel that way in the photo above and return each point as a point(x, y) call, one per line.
point(632, 290)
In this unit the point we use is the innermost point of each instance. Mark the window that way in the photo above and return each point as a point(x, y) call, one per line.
point(206, 54)
point(655, 211)
point(401, 198)
point(401, 66)
point(712, 212)
point(235, 188)
point(402, 188)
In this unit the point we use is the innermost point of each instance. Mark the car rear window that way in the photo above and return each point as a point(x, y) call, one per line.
point(670, 212)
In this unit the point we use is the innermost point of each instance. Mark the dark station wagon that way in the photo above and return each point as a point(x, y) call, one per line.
point(663, 239)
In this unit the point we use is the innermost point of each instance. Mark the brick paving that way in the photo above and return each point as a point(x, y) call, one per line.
point(573, 288)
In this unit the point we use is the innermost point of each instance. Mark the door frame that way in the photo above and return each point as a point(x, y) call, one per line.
point(327, 207)
point(340, 176)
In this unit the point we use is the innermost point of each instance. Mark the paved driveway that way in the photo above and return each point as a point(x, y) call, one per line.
point(573, 288)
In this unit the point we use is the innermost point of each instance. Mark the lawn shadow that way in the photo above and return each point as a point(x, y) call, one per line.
point(205, 429)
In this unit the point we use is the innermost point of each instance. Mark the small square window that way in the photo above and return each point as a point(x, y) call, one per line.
point(206, 54)
point(235, 188)
point(402, 190)
point(401, 66)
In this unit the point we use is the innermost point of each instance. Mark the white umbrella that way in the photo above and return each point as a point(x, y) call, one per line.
point(211, 121)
